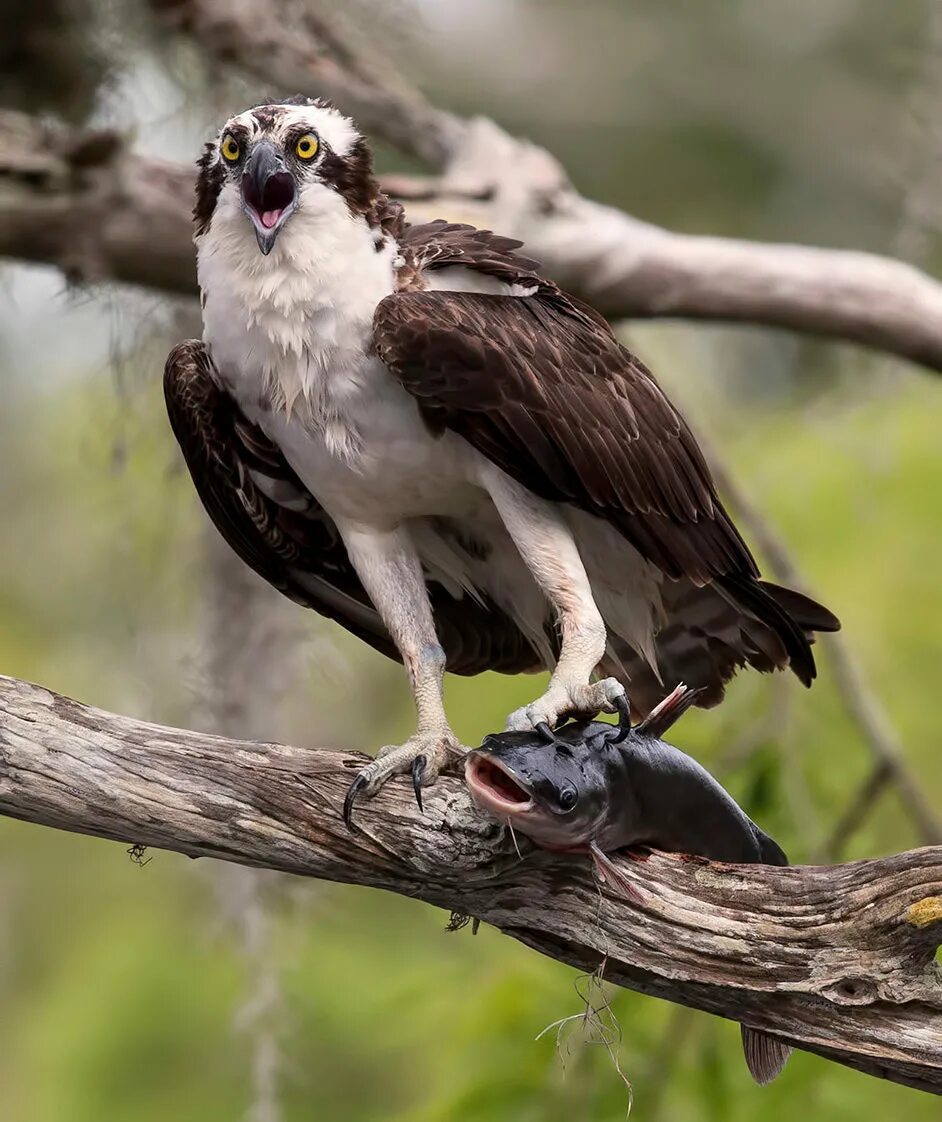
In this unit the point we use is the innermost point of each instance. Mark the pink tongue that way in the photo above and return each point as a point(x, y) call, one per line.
point(270, 217)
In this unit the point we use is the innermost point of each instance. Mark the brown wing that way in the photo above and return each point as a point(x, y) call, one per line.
point(277, 527)
point(540, 386)
point(439, 244)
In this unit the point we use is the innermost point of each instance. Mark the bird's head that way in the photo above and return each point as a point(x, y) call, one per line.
point(273, 161)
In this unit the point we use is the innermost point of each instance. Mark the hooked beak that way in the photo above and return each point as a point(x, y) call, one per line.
point(269, 194)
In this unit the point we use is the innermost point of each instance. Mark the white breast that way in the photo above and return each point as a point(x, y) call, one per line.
point(290, 332)
point(290, 335)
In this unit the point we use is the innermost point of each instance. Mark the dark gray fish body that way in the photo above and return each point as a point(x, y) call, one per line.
point(663, 798)
point(598, 788)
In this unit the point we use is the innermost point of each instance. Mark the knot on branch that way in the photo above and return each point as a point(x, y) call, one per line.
point(851, 991)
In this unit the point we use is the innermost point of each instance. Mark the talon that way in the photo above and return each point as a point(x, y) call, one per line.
point(623, 706)
point(352, 792)
point(418, 770)
point(546, 732)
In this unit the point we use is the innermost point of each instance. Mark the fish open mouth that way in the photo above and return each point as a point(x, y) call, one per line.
point(494, 787)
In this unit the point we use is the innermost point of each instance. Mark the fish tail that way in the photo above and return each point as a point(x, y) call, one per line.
point(765, 1055)
point(770, 852)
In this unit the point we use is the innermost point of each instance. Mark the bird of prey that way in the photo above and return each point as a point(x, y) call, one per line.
point(410, 430)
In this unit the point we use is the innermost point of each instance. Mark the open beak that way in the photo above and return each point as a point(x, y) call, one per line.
point(269, 194)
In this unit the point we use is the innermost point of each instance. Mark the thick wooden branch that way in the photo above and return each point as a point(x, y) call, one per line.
point(837, 960)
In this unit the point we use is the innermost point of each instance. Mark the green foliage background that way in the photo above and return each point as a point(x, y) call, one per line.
point(123, 988)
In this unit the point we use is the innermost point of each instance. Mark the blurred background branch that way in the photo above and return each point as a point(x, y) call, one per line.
point(311, 52)
point(82, 202)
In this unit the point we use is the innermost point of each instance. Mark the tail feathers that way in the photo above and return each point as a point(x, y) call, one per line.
point(668, 712)
point(765, 1055)
point(754, 596)
point(807, 613)
point(709, 633)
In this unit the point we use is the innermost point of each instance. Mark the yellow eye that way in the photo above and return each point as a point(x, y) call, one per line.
point(306, 147)
point(230, 149)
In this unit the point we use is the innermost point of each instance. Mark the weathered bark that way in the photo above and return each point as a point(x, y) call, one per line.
point(837, 960)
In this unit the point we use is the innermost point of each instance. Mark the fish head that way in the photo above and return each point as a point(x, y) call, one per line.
point(557, 792)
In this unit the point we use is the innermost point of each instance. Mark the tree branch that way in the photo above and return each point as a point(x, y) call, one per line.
point(97, 211)
point(80, 201)
point(836, 960)
point(308, 53)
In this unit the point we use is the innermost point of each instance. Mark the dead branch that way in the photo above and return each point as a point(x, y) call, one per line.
point(80, 201)
point(836, 960)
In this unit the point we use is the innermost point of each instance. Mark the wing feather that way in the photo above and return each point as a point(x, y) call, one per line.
point(541, 386)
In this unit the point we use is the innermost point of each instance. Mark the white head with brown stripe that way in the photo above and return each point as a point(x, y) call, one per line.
point(295, 248)
point(275, 161)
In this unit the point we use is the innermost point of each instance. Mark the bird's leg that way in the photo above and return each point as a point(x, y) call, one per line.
point(547, 546)
point(388, 566)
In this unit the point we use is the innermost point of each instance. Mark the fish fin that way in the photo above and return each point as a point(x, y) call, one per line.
point(765, 1055)
point(770, 852)
point(613, 876)
point(666, 712)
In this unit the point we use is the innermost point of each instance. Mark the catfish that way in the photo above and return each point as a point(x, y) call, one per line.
point(593, 787)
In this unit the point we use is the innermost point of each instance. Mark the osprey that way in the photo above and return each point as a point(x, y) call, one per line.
point(410, 430)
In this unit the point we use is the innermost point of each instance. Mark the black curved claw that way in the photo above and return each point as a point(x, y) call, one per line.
point(418, 770)
point(352, 792)
point(545, 732)
point(624, 718)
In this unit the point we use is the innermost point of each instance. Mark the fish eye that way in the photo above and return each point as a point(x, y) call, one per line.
point(306, 147)
point(568, 797)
